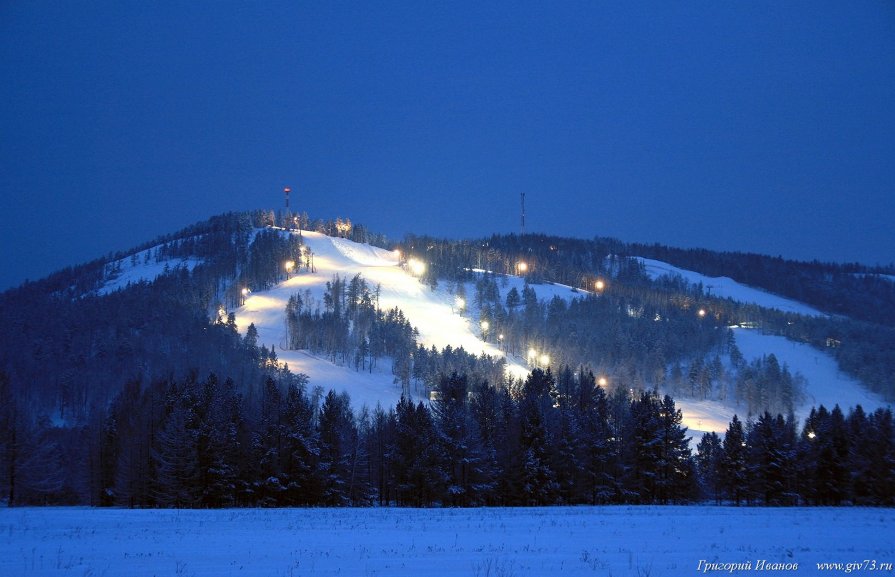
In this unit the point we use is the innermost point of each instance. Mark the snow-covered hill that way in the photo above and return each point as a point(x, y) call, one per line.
point(142, 266)
point(826, 384)
point(725, 287)
point(435, 315)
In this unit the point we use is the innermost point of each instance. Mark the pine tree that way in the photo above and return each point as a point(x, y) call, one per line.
point(267, 445)
point(381, 448)
point(298, 453)
point(709, 454)
point(470, 475)
point(127, 452)
point(734, 462)
point(9, 447)
point(538, 479)
point(419, 463)
point(175, 454)
point(338, 449)
point(675, 480)
point(595, 440)
point(768, 459)
point(882, 478)
point(217, 442)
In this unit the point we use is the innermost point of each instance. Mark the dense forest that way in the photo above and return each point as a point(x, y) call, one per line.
point(146, 394)
point(548, 440)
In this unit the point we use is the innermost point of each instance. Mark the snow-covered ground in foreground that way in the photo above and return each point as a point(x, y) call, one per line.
point(536, 542)
point(726, 287)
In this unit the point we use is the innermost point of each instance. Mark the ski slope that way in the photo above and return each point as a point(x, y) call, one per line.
point(725, 287)
point(826, 384)
point(439, 323)
point(433, 313)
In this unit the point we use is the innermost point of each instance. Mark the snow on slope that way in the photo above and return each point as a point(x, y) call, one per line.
point(726, 287)
point(432, 313)
point(662, 541)
point(828, 385)
point(138, 268)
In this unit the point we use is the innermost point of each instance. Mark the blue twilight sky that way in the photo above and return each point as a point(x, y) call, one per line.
point(754, 126)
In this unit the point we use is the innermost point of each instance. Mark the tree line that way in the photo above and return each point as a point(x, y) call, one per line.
point(548, 440)
point(833, 460)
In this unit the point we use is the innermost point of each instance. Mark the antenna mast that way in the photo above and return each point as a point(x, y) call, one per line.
point(523, 213)
point(287, 220)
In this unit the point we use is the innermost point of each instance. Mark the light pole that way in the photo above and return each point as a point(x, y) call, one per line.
point(485, 325)
point(417, 267)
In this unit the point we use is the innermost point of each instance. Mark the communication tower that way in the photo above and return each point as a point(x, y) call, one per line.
point(287, 215)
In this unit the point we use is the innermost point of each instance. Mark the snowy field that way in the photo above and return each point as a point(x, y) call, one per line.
point(655, 541)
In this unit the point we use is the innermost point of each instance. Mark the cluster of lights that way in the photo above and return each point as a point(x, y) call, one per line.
point(521, 266)
point(543, 359)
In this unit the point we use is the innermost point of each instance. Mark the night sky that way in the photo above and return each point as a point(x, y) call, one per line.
point(753, 126)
